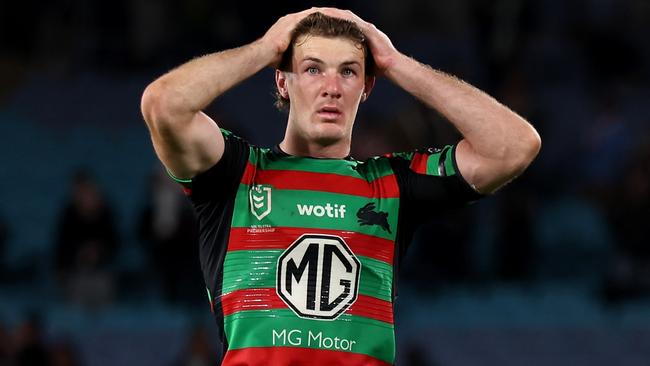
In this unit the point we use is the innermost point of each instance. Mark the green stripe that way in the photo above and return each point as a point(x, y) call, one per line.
point(370, 170)
point(227, 133)
point(432, 164)
point(449, 162)
point(284, 211)
point(245, 269)
point(255, 153)
point(255, 329)
point(404, 155)
point(178, 180)
point(433, 161)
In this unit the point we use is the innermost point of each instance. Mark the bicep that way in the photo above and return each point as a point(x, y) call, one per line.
point(431, 180)
point(187, 149)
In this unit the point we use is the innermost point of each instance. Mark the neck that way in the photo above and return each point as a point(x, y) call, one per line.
point(316, 149)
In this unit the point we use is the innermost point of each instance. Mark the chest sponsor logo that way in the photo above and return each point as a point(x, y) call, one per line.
point(260, 200)
point(334, 211)
point(318, 276)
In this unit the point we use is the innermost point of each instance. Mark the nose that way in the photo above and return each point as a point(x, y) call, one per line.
point(332, 87)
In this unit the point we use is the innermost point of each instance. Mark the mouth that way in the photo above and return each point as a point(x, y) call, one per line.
point(329, 113)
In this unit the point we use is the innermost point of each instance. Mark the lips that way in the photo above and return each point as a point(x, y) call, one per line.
point(329, 112)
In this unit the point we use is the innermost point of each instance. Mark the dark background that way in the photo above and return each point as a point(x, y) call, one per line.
point(97, 250)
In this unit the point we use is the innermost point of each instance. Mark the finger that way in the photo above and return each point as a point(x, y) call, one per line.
point(299, 15)
point(308, 11)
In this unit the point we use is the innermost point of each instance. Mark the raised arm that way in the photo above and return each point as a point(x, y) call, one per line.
point(185, 139)
point(497, 143)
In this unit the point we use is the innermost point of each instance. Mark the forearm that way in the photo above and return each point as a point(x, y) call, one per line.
point(490, 127)
point(192, 86)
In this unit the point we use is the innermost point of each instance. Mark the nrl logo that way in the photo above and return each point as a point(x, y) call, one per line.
point(260, 199)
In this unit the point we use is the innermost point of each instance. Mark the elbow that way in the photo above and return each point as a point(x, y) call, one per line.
point(508, 163)
point(147, 103)
point(529, 148)
point(159, 105)
point(152, 105)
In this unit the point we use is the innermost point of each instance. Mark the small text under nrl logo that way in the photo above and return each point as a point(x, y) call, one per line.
point(368, 216)
point(260, 200)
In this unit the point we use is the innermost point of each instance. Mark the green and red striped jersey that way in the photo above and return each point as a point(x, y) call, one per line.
point(300, 254)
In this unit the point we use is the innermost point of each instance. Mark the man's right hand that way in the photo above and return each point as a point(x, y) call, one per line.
point(279, 35)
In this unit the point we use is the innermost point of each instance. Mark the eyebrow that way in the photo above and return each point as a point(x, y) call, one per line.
point(309, 58)
point(346, 63)
point(317, 60)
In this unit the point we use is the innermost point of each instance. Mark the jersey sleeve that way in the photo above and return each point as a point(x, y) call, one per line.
point(221, 180)
point(430, 177)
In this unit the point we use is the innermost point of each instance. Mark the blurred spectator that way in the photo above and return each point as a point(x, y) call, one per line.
point(605, 144)
point(440, 251)
point(416, 355)
point(502, 29)
point(199, 352)
point(515, 242)
point(629, 274)
point(30, 350)
point(63, 354)
point(5, 346)
point(87, 244)
point(168, 232)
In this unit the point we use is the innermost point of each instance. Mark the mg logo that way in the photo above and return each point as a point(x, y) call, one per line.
point(318, 276)
point(260, 198)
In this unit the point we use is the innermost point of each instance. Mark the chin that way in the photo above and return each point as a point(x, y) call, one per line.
point(329, 133)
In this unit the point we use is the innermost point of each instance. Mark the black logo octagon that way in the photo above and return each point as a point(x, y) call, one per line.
point(318, 276)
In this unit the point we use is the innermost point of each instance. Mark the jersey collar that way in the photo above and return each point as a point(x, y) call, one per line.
point(278, 151)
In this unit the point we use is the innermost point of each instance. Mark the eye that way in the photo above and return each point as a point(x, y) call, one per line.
point(313, 70)
point(347, 72)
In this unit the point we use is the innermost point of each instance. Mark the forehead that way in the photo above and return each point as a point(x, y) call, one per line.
point(330, 50)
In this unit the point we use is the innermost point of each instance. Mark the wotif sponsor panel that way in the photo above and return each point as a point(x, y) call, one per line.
point(334, 211)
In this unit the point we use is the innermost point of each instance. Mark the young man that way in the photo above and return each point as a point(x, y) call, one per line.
point(300, 243)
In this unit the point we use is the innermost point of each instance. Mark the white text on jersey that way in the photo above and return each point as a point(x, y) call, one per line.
point(337, 211)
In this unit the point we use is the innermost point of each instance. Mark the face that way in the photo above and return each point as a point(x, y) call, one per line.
point(325, 86)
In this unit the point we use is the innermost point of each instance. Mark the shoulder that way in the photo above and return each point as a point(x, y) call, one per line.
point(375, 167)
point(222, 178)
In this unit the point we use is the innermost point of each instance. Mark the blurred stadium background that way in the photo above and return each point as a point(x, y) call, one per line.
point(97, 251)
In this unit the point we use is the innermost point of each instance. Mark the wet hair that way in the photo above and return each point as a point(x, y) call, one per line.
point(319, 24)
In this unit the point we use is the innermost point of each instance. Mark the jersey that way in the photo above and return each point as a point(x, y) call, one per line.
point(300, 255)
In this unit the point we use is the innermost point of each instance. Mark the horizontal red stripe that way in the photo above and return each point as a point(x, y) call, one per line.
point(384, 187)
point(372, 307)
point(296, 356)
point(249, 174)
point(419, 163)
point(267, 298)
point(283, 237)
point(251, 299)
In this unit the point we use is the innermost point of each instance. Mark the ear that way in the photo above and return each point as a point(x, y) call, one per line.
point(367, 88)
point(281, 83)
